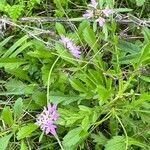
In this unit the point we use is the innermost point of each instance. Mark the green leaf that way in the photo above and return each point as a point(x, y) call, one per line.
point(145, 54)
point(103, 93)
point(99, 138)
point(4, 141)
point(15, 46)
point(18, 88)
point(146, 79)
point(84, 24)
point(39, 98)
point(90, 38)
point(77, 85)
point(133, 141)
point(21, 49)
point(116, 143)
point(73, 137)
point(5, 41)
point(64, 99)
point(7, 115)
point(18, 108)
point(85, 124)
point(140, 2)
point(128, 47)
point(26, 131)
point(19, 72)
point(23, 146)
point(60, 28)
point(123, 9)
point(11, 63)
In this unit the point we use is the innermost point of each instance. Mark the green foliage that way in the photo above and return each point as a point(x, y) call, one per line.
point(26, 130)
point(103, 96)
point(117, 142)
point(4, 141)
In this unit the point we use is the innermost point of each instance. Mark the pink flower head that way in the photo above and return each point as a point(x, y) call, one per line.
point(64, 40)
point(68, 43)
point(107, 11)
point(93, 4)
point(46, 119)
point(88, 14)
point(100, 21)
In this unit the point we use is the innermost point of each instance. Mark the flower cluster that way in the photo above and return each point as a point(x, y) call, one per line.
point(101, 16)
point(68, 43)
point(47, 118)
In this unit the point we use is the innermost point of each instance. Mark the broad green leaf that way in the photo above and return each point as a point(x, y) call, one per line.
point(64, 99)
point(11, 63)
point(39, 98)
point(4, 141)
point(73, 137)
point(129, 59)
point(116, 143)
point(26, 131)
point(18, 88)
point(79, 86)
point(60, 28)
point(19, 73)
point(140, 2)
point(18, 108)
point(69, 117)
point(7, 115)
point(128, 47)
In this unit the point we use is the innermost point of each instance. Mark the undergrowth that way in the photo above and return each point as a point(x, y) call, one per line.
point(101, 89)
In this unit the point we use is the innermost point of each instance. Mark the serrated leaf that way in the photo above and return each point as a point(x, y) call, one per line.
point(4, 141)
point(128, 47)
point(7, 115)
point(73, 137)
point(26, 130)
point(18, 108)
point(39, 98)
point(64, 99)
point(90, 38)
point(116, 143)
point(18, 88)
point(99, 138)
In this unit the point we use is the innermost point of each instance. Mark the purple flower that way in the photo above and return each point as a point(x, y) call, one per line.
point(46, 119)
point(93, 4)
point(100, 21)
point(107, 11)
point(88, 14)
point(68, 43)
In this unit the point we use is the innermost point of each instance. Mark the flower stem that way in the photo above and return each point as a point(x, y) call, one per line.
point(49, 77)
point(59, 142)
